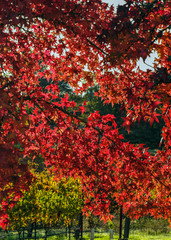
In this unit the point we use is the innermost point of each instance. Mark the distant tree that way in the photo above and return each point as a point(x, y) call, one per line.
point(138, 131)
point(48, 201)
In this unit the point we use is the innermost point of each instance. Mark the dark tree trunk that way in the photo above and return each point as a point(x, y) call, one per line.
point(126, 228)
point(35, 230)
point(120, 223)
point(30, 230)
point(81, 225)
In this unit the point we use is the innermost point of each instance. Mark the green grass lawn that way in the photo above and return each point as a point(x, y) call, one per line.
point(105, 236)
point(102, 236)
point(149, 237)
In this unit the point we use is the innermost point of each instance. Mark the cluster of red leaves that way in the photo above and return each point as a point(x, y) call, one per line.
point(85, 41)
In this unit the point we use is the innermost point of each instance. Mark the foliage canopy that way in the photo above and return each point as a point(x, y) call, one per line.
point(86, 42)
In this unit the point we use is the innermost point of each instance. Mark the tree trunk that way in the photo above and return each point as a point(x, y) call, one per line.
point(81, 225)
point(120, 224)
point(126, 228)
point(35, 231)
point(30, 230)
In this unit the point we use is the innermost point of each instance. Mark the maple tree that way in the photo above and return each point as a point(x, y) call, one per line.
point(82, 42)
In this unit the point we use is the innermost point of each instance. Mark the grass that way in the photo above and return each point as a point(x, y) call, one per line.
point(105, 236)
point(149, 237)
point(138, 235)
